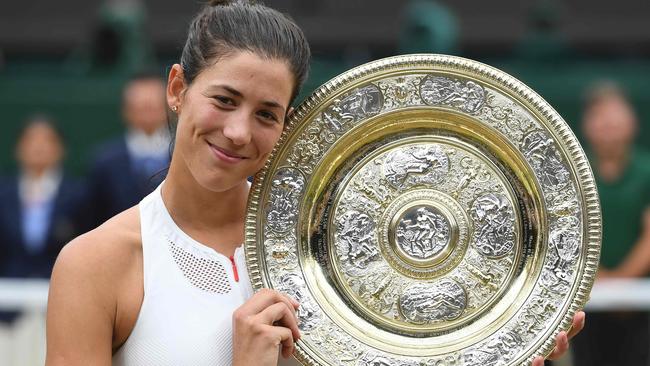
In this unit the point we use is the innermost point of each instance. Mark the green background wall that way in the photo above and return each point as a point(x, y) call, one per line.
point(87, 107)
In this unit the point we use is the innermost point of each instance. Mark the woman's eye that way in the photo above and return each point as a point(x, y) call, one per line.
point(267, 116)
point(225, 100)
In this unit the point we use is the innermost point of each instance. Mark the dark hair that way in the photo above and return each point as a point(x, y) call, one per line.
point(223, 27)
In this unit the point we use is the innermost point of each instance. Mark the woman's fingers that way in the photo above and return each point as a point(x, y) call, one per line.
point(578, 324)
point(278, 337)
point(287, 341)
point(262, 324)
point(265, 298)
point(538, 361)
point(281, 315)
point(562, 339)
point(561, 346)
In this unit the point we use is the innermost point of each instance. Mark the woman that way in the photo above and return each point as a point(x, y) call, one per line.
point(164, 283)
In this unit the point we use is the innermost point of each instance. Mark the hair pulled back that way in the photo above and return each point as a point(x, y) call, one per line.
point(223, 27)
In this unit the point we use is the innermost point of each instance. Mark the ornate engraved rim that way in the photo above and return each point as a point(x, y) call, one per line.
point(497, 79)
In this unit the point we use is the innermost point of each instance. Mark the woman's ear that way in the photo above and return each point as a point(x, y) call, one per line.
point(175, 88)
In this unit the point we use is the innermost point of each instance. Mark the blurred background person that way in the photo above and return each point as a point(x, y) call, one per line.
point(40, 204)
point(39, 214)
point(128, 168)
point(622, 173)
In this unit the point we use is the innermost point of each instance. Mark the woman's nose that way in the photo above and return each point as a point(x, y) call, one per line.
point(238, 128)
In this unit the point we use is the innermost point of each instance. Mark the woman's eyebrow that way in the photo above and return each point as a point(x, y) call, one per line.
point(237, 93)
point(272, 104)
point(227, 88)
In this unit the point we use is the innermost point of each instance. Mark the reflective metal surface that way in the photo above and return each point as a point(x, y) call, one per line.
point(426, 210)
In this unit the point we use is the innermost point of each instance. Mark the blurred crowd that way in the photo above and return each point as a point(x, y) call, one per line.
point(43, 206)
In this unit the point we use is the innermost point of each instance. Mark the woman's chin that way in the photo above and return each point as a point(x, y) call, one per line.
point(221, 184)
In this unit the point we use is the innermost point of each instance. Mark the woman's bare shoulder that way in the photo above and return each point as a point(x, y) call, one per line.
point(109, 246)
point(103, 257)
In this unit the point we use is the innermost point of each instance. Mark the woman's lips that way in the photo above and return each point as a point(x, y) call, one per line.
point(225, 155)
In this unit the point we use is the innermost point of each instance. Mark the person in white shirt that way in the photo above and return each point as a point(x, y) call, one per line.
point(125, 169)
point(164, 283)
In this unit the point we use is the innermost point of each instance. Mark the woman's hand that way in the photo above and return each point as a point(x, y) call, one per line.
point(264, 323)
point(562, 339)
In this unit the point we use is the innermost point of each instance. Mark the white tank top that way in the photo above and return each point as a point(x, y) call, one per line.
point(190, 293)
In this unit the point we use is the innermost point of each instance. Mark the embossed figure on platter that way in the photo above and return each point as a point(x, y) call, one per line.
point(356, 231)
point(544, 158)
point(416, 165)
point(422, 232)
point(467, 96)
point(424, 303)
point(495, 225)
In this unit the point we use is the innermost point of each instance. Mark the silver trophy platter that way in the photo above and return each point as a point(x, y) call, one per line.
point(426, 210)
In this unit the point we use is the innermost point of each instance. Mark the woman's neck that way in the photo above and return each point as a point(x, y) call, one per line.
point(215, 219)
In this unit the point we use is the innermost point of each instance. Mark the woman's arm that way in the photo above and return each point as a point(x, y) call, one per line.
point(88, 278)
point(80, 309)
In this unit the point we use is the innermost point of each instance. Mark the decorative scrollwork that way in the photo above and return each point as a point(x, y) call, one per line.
point(400, 92)
point(467, 96)
point(541, 153)
point(286, 188)
point(309, 314)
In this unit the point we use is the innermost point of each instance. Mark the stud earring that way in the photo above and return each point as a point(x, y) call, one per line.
point(175, 109)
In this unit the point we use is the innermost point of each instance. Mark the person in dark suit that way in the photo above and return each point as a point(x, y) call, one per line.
point(40, 209)
point(126, 169)
point(39, 213)
point(41, 206)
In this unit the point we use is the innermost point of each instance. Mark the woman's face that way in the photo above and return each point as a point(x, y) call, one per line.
point(230, 117)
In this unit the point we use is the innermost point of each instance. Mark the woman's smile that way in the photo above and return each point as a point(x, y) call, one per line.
point(226, 155)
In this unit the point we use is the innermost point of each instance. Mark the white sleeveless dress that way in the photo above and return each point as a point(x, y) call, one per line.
point(190, 293)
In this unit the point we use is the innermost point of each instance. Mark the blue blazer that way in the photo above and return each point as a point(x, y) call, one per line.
point(64, 224)
point(115, 184)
